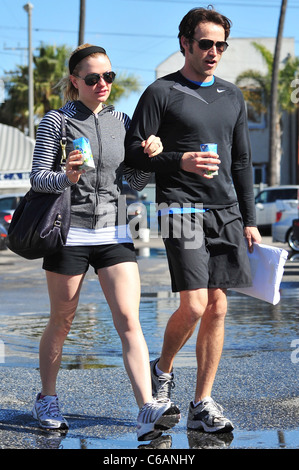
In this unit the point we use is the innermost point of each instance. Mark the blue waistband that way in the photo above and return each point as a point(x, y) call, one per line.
point(181, 210)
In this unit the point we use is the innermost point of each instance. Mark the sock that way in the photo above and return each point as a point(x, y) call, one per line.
point(43, 396)
point(200, 401)
point(160, 372)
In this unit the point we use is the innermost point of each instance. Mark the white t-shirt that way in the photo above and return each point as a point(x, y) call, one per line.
point(100, 236)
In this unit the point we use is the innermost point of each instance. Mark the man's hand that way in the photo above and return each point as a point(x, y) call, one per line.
point(200, 163)
point(252, 236)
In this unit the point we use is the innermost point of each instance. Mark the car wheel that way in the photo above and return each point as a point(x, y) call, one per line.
point(293, 243)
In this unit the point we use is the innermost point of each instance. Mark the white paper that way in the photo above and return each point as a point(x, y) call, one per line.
point(267, 267)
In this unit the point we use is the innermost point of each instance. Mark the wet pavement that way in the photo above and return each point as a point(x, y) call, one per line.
point(256, 383)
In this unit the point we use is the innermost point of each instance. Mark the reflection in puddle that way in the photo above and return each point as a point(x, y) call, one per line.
point(262, 439)
point(146, 252)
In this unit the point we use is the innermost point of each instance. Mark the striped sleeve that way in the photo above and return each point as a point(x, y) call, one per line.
point(42, 177)
point(137, 179)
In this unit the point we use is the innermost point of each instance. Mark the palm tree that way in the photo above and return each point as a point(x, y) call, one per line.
point(274, 114)
point(12, 111)
point(49, 66)
point(123, 86)
point(252, 80)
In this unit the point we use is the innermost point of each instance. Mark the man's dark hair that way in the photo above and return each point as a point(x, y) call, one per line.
point(201, 15)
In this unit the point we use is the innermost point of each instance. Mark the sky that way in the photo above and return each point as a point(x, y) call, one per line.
point(137, 34)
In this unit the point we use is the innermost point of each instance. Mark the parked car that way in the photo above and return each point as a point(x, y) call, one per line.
point(265, 203)
point(3, 235)
point(282, 229)
point(8, 203)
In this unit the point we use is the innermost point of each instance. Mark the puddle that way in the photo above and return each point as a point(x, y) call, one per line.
point(251, 325)
point(239, 439)
point(253, 329)
point(149, 252)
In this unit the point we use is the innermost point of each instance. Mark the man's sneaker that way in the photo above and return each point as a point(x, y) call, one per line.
point(208, 416)
point(155, 417)
point(46, 411)
point(161, 384)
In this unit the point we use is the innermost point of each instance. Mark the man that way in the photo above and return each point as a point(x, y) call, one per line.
point(186, 109)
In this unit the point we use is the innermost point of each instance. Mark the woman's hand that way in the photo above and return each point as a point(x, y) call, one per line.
point(152, 146)
point(73, 162)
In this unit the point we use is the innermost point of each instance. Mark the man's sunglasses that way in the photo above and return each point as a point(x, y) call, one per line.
point(93, 78)
point(206, 44)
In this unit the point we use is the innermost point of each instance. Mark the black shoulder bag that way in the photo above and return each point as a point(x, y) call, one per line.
point(41, 221)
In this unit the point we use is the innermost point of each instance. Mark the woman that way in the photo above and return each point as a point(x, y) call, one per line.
point(96, 237)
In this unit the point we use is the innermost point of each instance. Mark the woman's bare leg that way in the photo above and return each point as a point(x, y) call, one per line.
point(121, 286)
point(64, 295)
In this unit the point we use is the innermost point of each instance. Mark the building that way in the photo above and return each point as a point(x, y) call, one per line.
point(240, 56)
point(16, 151)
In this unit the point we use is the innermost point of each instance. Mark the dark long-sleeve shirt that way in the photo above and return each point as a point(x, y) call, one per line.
point(185, 115)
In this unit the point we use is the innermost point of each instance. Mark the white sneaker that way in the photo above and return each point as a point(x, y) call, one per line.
point(46, 411)
point(155, 417)
point(208, 417)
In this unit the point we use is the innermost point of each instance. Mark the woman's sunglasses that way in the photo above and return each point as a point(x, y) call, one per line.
point(93, 78)
point(206, 44)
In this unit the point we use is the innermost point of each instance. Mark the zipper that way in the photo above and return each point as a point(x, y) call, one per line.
point(98, 176)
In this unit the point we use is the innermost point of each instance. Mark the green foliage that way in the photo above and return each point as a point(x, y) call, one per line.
point(251, 80)
point(50, 65)
point(122, 87)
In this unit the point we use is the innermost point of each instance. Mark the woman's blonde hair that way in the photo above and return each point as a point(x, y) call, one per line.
point(69, 92)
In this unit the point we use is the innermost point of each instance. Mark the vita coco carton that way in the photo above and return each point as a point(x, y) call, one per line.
point(83, 145)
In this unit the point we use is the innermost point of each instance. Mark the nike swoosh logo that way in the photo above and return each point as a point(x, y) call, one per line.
point(220, 91)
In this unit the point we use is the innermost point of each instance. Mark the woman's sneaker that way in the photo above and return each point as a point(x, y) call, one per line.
point(208, 416)
point(46, 411)
point(155, 417)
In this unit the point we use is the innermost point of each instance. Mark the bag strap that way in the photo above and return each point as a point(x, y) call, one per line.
point(63, 139)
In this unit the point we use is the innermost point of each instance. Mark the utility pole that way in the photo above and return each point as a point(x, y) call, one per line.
point(274, 159)
point(28, 7)
point(81, 23)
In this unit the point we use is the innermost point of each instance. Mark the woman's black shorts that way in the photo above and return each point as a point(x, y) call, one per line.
point(73, 260)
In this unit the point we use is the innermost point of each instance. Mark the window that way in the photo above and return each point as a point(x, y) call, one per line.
point(7, 204)
point(255, 105)
point(273, 194)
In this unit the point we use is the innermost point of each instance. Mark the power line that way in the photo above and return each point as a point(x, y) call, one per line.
point(158, 36)
point(232, 4)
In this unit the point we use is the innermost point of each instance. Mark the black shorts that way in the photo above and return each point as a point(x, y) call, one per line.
point(73, 260)
point(215, 258)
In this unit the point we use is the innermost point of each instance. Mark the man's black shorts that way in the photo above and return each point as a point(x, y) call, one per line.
point(206, 250)
point(73, 260)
